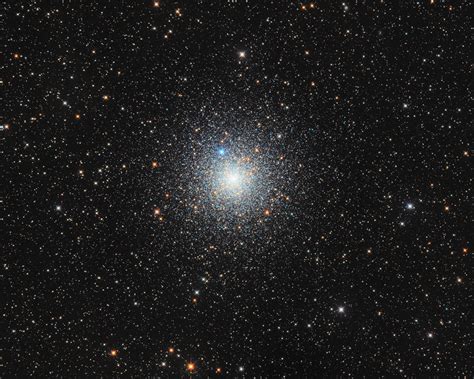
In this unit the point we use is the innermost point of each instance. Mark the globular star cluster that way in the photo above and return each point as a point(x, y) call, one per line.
point(236, 188)
point(235, 172)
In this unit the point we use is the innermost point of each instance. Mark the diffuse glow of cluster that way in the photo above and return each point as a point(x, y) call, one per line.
point(236, 181)
point(234, 178)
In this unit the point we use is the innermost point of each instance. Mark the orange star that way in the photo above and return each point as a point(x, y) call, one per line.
point(190, 366)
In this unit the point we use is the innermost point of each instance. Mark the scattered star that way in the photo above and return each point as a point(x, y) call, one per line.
point(190, 366)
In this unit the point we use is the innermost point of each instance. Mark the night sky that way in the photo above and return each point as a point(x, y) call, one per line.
point(236, 188)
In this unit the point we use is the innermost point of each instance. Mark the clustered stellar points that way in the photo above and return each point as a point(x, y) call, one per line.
point(241, 180)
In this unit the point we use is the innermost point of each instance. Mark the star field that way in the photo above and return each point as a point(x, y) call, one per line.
point(236, 189)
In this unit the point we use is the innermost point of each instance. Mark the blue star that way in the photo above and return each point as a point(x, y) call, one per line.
point(221, 151)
